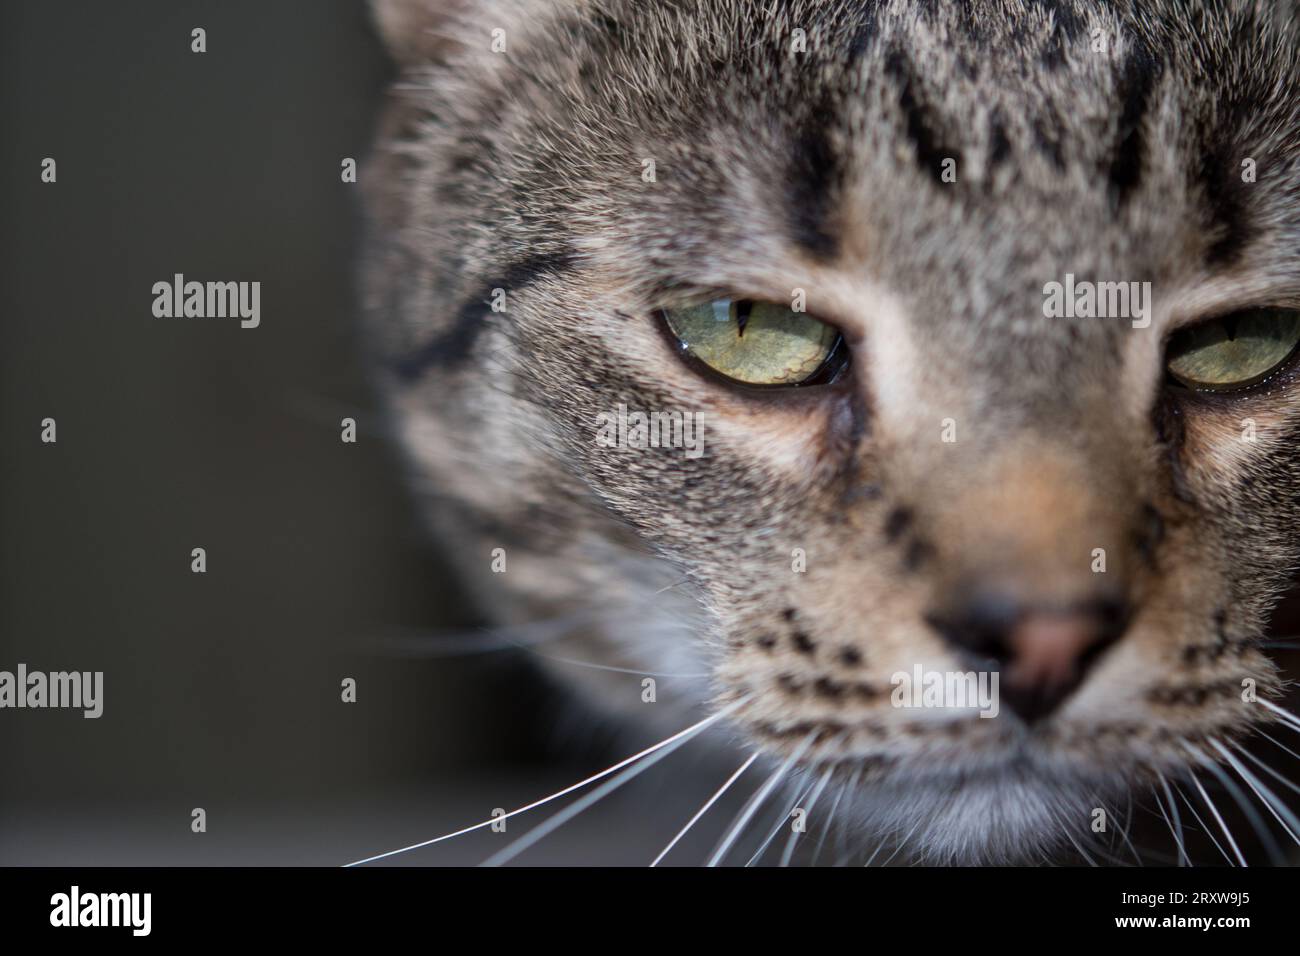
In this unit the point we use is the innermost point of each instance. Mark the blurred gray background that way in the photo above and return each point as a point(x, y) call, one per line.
point(222, 689)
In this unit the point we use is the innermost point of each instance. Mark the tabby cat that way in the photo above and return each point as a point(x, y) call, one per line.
point(982, 318)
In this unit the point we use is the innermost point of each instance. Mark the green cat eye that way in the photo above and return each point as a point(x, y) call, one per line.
point(1233, 352)
point(757, 343)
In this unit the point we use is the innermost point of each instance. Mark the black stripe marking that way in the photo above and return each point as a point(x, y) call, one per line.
point(923, 125)
point(455, 344)
point(1136, 85)
point(1225, 198)
point(1048, 134)
point(865, 34)
point(999, 143)
point(1069, 28)
point(815, 175)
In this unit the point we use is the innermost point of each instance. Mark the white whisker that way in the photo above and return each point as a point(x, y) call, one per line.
point(830, 818)
point(610, 667)
point(874, 853)
point(842, 849)
point(812, 802)
point(668, 587)
point(1204, 829)
point(567, 790)
point(734, 832)
point(1256, 822)
point(483, 640)
point(1287, 718)
point(1176, 826)
point(780, 824)
point(901, 843)
point(554, 822)
point(1219, 819)
point(1123, 831)
point(1266, 796)
point(1278, 742)
point(1065, 828)
point(1290, 785)
point(705, 809)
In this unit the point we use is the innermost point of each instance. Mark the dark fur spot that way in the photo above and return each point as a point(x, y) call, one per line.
point(472, 151)
point(789, 683)
point(869, 492)
point(850, 656)
point(865, 692)
point(606, 24)
point(999, 144)
point(1193, 695)
point(825, 687)
point(1047, 137)
point(766, 641)
point(923, 124)
point(1151, 533)
point(788, 614)
point(803, 643)
point(457, 342)
point(918, 552)
point(1221, 640)
point(896, 522)
point(821, 731)
point(1222, 644)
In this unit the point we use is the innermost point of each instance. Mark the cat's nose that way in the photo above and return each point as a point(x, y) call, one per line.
point(1041, 652)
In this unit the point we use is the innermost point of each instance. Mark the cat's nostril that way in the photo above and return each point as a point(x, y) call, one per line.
point(1042, 652)
point(979, 625)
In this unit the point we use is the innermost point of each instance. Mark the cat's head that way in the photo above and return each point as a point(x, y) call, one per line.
point(853, 242)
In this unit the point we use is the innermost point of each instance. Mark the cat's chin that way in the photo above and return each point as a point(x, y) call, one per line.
point(1012, 812)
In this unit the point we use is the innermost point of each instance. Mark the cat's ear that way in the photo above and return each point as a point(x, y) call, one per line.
point(416, 31)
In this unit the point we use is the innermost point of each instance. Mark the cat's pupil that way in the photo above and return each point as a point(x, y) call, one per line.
point(743, 309)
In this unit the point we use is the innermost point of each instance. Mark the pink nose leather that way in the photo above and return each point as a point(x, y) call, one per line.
point(1046, 649)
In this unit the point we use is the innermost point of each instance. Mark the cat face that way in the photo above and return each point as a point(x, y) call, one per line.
point(965, 474)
